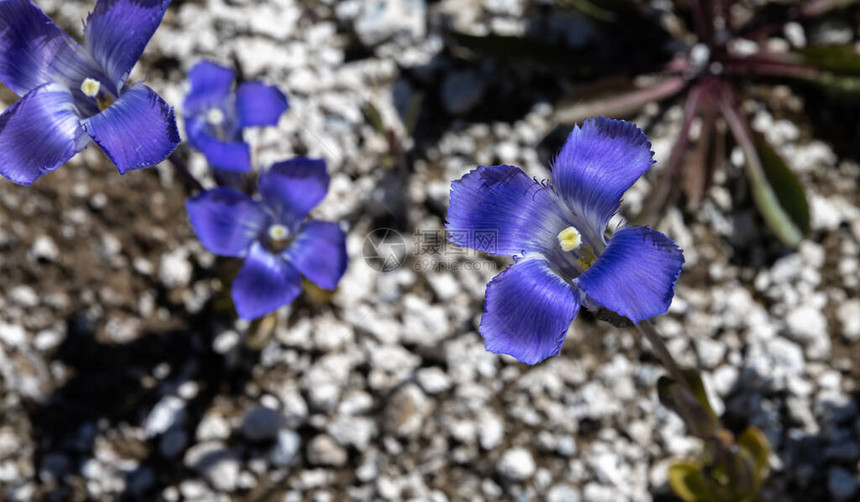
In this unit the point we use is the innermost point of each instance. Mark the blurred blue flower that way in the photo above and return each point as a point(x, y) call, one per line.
point(274, 236)
point(556, 234)
point(215, 114)
point(73, 93)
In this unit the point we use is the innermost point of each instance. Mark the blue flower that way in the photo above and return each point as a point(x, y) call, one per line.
point(556, 234)
point(73, 93)
point(273, 235)
point(215, 114)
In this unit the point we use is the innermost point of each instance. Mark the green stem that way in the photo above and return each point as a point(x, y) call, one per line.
point(650, 332)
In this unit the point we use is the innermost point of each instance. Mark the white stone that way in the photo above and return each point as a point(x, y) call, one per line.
point(45, 249)
point(563, 493)
point(226, 341)
point(353, 431)
point(167, 413)
point(286, 447)
point(12, 335)
point(711, 352)
point(724, 379)
point(517, 464)
point(433, 380)
point(24, 296)
point(174, 269)
point(218, 464)
point(47, 339)
point(808, 325)
point(383, 19)
point(491, 432)
point(212, 426)
point(795, 34)
point(824, 214)
point(849, 317)
point(607, 466)
point(323, 450)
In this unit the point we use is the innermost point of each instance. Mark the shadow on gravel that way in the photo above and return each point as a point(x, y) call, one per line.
point(112, 386)
point(499, 78)
point(807, 461)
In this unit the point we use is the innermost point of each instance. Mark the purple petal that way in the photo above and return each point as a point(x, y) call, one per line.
point(597, 164)
point(117, 31)
point(226, 221)
point(210, 85)
point(319, 252)
point(528, 310)
point(258, 104)
point(39, 133)
point(500, 210)
point(137, 131)
point(265, 283)
point(635, 276)
point(34, 51)
point(293, 187)
point(229, 156)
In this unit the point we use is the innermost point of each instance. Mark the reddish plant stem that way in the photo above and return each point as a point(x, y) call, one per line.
point(625, 103)
point(727, 13)
point(769, 64)
point(700, 20)
point(667, 179)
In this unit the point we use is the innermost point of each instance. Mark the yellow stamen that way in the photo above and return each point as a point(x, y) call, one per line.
point(569, 239)
point(215, 117)
point(91, 87)
point(278, 233)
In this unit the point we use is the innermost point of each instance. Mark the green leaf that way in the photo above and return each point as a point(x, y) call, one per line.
point(834, 58)
point(604, 11)
point(592, 10)
point(584, 62)
point(753, 440)
point(698, 387)
point(839, 85)
point(742, 475)
point(688, 482)
point(693, 408)
point(373, 116)
point(779, 195)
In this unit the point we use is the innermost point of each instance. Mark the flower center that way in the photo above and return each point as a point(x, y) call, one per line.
point(278, 236)
point(571, 240)
point(215, 117)
point(92, 88)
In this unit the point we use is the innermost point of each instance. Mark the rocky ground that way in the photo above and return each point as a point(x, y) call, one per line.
point(123, 376)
